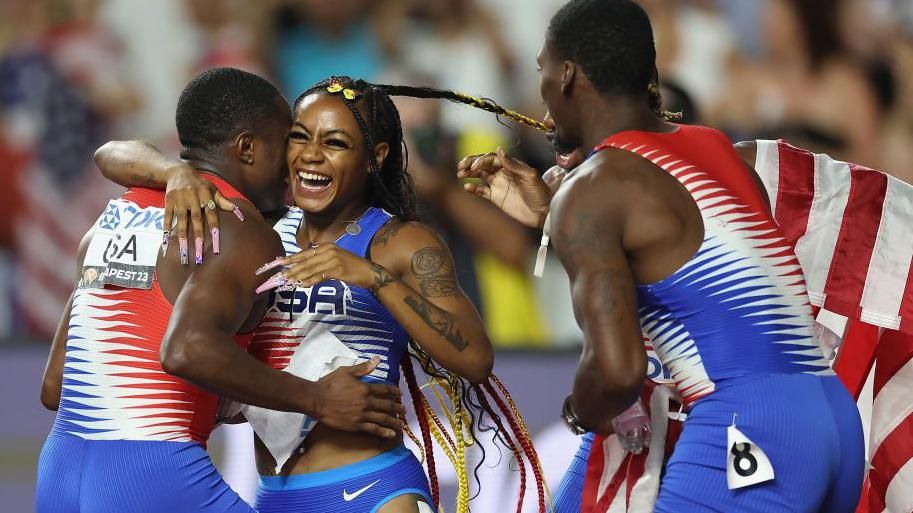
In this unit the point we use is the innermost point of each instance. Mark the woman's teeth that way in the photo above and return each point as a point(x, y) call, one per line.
point(313, 181)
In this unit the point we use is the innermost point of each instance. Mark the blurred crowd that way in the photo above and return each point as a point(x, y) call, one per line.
point(834, 76)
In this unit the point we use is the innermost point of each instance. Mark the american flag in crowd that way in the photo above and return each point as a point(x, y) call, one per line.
point(852, 228)
point(62, 192)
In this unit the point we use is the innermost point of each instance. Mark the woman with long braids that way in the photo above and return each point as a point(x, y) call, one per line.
point(360, 268)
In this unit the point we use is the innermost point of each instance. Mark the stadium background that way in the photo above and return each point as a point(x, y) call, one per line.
point(830, 75)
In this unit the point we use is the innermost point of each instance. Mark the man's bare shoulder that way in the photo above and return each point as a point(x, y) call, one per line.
point(599, 197)
point(609, 181)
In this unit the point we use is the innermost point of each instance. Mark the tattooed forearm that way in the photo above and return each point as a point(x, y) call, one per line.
point(434, 272)
point(382, 278)
point(439, 320)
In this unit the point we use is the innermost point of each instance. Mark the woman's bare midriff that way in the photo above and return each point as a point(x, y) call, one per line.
point(325, 448)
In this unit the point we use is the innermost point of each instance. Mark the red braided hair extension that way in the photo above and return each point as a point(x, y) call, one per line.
point(531, 453)
point(418, 400)
point(525, 443)
point(480, 394)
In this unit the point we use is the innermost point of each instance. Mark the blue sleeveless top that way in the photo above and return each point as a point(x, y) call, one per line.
point(349, 312)
point(739, 306)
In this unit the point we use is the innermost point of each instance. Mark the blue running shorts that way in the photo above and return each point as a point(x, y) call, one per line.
point(76, 475)
point(807, 425)
point(570, 491)
point(361, 487)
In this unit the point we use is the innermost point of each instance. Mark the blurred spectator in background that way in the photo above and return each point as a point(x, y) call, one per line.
point(694, 44)
point(897, 149)
point(231, 34)
point(460, 45)
point(491, 251)
point(805, 81)
point(315, 39)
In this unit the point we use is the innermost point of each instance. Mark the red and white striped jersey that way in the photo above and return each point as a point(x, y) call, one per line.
point(114, 387)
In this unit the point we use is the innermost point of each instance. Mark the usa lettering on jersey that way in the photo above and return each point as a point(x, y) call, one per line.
point(328, 298)
point(124, 247)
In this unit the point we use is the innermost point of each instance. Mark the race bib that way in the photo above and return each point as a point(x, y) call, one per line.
point(746, 463)
point(124, 247)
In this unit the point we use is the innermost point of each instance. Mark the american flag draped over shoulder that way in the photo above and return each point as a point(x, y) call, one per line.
point(852, 228)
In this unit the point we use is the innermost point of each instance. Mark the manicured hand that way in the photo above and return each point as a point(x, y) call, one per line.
point(187, 195)
point(326, 262)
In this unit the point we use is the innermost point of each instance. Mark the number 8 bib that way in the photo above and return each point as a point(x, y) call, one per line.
point(746, 463)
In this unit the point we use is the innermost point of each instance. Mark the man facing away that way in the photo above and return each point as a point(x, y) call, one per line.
point(663, 231)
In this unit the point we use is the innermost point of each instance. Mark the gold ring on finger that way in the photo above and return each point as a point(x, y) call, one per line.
point(211, 205)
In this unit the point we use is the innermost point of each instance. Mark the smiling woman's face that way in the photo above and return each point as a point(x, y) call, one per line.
point(327, 157)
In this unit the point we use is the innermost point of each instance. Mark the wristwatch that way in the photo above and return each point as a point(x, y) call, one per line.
point(570, 420)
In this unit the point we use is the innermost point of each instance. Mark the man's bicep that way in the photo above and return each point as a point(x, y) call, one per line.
point(604, 296)
point(215, 301)
point(589, 243)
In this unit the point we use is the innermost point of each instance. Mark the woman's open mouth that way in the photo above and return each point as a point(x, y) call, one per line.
point(313, 182)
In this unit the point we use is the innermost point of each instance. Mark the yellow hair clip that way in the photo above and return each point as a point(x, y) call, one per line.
point(336, 86)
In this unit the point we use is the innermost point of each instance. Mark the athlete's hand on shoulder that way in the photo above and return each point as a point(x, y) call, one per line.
point(513, 186)
point(330, 262)
point(187, 195)
point(345, 402)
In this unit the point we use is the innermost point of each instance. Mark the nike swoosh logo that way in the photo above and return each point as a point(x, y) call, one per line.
point(346, 496)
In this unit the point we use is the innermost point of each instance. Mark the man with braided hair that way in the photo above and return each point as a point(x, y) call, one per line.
point(663, 230)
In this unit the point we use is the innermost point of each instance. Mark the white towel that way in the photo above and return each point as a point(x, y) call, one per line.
point(282, 432)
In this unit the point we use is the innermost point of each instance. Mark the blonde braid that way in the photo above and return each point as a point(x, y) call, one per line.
point(490, 106)
point(656, 103)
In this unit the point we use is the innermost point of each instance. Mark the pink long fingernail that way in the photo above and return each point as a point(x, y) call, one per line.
point(165, 242)
point(291, 285)
point(277, 280)
point(215, 241)
point(271, 265)
point(239, 214)
point(182, 242)
point(198, 248)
